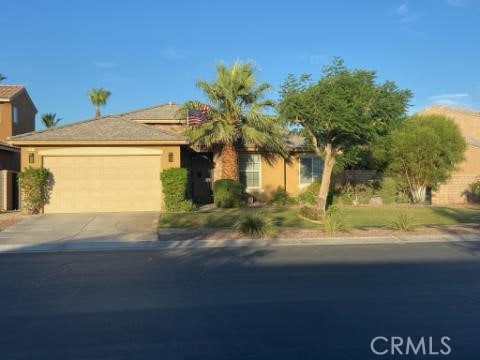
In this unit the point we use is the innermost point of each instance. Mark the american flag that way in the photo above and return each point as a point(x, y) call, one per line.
point(197, 116)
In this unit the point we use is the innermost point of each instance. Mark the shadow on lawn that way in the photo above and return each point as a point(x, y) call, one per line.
point(458, 215)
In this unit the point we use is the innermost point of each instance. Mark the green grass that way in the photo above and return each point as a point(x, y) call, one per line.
point(357, 217)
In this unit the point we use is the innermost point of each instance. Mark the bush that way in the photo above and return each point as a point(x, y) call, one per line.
point(309, 195)
point(311, 213)
point(35, 184)
point(335, 221)
point(254, 224)
point(281, 198)
point(475, 188)
point(174, 187)
point(403, 221)
point(228, 193)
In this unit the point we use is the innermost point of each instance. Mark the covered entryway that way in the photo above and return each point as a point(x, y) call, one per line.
point(103, 180)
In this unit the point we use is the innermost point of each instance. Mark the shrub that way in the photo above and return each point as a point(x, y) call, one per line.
point(308, 196)
point(403, 221)
point(335, 221)
point(174, 187)
point(254, 224)
point(35, 184)
point(281, 198)
point(388, 190)
point(311, 213)
point(228, 193)
point(435, 135)
point(475, 188)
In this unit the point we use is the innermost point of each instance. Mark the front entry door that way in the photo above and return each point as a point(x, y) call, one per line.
point(201, 175)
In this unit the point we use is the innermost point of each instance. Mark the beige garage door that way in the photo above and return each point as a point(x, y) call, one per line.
point(104, 183)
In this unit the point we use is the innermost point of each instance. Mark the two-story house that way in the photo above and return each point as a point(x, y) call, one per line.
point(17, 116)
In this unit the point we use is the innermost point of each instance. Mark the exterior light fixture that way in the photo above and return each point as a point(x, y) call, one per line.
point(31, 158)
point(170, 157)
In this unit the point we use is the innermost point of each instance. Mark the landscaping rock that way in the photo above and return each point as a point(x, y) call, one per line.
point(376, 200)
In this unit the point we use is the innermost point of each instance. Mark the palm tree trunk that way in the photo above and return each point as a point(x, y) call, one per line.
point(97, 111)
point(329, 163)
point(229, 162)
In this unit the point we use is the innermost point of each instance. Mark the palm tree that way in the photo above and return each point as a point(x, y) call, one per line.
point(2, 77)
point(98, 97)
point(236, 117)
point(50, 120)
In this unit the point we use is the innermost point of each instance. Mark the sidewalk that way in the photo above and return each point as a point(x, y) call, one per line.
point(154, 244)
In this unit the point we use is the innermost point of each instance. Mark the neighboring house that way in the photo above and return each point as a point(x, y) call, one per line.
point(17, 115)
point(113, 163)
point(455, 190)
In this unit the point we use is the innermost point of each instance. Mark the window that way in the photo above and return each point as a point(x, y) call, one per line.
point(249, 170)
point(310, 169)
point(15, 114)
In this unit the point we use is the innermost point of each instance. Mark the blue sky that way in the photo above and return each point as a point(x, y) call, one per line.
point(151, 52)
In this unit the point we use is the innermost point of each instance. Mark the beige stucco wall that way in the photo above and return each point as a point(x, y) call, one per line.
point(26, 150)
point(26, 117)
point(5, 121)
point(279, 173)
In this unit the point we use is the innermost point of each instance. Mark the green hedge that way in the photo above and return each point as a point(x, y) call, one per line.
point(35, 185)
point(228, 193)
point(174, 187)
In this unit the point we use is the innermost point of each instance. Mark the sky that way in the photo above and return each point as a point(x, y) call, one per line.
point(152, 52)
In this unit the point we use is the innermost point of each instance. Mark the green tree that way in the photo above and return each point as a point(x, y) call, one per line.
point(2, 77)
point(50, 120)
point(236, 117)
point(98, 97)
point(345, 109)
point(425, 149)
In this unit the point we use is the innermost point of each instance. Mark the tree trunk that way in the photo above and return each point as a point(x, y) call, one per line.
point(97, 111)
point(418, 193)
point(329, 163)
point(229, 162)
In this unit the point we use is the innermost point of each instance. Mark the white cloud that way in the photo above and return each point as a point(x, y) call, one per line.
point(170, 53)
point(405, 14)
point(453, 99)
point(457, 3)
point(103, 64)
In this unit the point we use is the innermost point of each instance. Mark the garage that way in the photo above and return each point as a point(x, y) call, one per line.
point(109, 164)
point(104, 183)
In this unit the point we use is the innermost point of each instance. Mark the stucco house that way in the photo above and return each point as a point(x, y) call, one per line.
point(17, 116)
point(455, 190)
point(113, 163)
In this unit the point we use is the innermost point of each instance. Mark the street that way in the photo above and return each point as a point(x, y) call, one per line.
point(293, 302)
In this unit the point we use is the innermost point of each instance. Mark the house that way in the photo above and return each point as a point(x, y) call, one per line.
point(17, 116)
point(113, 163)
point(456, 189)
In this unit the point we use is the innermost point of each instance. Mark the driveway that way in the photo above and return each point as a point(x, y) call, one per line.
point(44, 230)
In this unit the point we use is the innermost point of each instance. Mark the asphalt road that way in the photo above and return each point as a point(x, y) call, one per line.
point(310, 302)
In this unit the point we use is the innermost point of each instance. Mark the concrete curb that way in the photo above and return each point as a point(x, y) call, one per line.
point(78, 245)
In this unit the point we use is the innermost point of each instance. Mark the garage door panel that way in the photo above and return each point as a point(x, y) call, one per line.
point(104, 183)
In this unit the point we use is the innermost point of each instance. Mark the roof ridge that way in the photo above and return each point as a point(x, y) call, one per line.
point(150, 127)
point(148, 108)
point(454, 108)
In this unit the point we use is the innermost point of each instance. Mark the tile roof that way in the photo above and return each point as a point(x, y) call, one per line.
point(167, 111)
point(8, 92)
point(106, 128)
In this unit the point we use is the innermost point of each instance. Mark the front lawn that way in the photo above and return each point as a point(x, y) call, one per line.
point(357, 217)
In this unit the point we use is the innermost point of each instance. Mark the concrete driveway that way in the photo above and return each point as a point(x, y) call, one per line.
point(44, 230)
